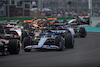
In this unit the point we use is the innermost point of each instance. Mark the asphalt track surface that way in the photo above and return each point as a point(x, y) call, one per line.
point(86, 53)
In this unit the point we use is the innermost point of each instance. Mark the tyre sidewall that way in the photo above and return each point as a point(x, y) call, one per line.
point(14, 46)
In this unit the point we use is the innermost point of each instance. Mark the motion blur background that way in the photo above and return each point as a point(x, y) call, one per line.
point(48, 8)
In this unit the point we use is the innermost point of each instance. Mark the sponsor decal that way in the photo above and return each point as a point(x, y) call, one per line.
point(59, 31)
point(50, 47)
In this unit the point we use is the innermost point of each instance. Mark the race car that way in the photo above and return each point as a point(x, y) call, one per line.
point(58, 39)
point(75, 31)
point(78, 20)
point(34, 27)
point(73, 25)
point(9, 46)
point(9, 40)
point(28, 31)
point(11, 31)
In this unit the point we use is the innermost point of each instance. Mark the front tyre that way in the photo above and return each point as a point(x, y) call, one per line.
point(26, 41)
point(59, 42)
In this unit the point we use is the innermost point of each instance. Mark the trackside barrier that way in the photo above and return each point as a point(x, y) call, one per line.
point(95, 21)
point(60, 19)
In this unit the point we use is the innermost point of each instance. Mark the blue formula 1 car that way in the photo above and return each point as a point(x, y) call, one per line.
point(58, 39)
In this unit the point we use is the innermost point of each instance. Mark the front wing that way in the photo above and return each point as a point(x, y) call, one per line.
point(44, 46)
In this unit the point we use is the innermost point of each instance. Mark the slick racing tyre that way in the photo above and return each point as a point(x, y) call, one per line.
point(59, 42)
point(82, 32)
point(69, 41)
point(14, 46)
point(24, 34)
point(27, 41)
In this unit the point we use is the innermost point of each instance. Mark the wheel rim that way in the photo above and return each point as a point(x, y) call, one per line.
point(61, 45)
point(18, 47)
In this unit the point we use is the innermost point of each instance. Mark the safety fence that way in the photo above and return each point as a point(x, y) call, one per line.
point(48, 8)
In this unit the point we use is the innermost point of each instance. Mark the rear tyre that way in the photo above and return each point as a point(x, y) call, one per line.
point(82, 32)
point(69, 41)
point(14, 46)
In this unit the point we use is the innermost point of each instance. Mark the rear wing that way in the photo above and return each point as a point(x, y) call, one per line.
point(28, 21)
point(52, 18)
point(34, 21)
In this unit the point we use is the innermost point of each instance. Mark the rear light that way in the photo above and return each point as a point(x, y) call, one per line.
point(82, 28)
